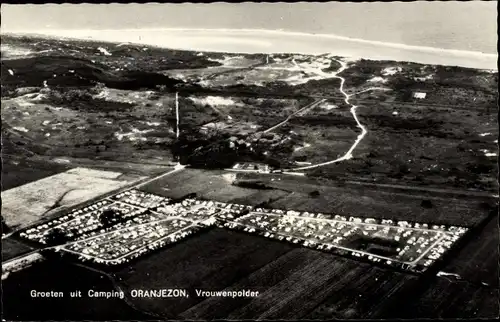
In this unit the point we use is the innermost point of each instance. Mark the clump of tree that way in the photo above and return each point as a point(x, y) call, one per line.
point(252, 184)
point(64, 96)
point(217, 155)
point(5, 228)
point(399, 170)
point(191, 195)
point(244, 212)
point(426, 203)
point(480, 168)
point(314, 193)
point(110, 217)
point(265, 204)
point(56, 236)
point(213, 152)
point(334, 66)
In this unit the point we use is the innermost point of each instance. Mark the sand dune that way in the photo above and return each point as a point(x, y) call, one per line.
point(271, 41)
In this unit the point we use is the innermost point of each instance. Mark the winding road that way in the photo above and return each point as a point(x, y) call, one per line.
point(348, 154)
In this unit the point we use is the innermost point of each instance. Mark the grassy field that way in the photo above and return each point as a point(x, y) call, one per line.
point(211, 185)
point(293, 193)
point(372, 203)
point(28, 203)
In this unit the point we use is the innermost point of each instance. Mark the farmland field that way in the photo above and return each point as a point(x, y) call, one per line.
point(197, 263)
point(28, 203)
point(363, 294)
point(477, 262)
point(447, 299)
point(291, 281)
point(371, 203)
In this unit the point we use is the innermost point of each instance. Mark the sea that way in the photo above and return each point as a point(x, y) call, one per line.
point(430, 32)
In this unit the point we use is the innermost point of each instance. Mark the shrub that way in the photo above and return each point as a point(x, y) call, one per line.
point(426, 204)
point(314, 194)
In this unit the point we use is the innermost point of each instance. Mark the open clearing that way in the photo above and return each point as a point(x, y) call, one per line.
point(26, 204)
point(208, 185)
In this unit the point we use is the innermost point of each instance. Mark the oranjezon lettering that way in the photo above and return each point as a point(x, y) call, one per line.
point(168, 292)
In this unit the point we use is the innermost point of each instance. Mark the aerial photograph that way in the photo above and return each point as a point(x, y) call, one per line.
point(249, 161)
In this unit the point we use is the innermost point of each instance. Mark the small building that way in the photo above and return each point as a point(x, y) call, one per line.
point(419, 95)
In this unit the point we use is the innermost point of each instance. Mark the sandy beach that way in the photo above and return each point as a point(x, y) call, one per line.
point(275, 41)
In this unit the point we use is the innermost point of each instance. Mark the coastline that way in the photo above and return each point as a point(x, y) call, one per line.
point(251, 41)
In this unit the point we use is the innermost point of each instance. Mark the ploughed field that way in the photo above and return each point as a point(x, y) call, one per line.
point(291, 281)
point(477, 262)
point(451, 300)
point(35, 201)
